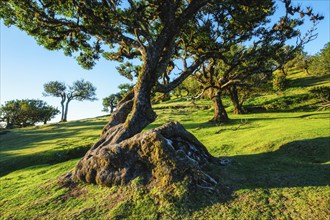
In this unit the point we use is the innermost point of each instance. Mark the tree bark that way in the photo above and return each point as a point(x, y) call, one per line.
point(159, 157)
point(65, 116)
point(142, 113)
point(134, 113)
point(238, 108)
point(137, 105)
point(220, 115)
point(63, 109)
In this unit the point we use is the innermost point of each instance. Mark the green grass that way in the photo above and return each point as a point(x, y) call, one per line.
point(47, 144)
point(280, 168)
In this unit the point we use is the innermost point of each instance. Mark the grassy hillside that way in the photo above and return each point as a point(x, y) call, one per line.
point(279, 166)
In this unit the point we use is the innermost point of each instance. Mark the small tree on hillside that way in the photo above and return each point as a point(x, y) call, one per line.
point(27, 112)
point(301, 61)
point(80, 90)
point(56, 89)
point(47, 113)
point(240, 67)
point(110, 103)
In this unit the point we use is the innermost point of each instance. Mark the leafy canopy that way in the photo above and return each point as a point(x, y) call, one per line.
point(163, 31)
point(26, 112)
point(80, 90)
point(320, 64)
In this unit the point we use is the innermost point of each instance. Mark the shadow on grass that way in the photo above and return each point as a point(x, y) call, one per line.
point(295, 164)
point(313, 115)
point(308, 81)
point(65, 150)
point(26, 138)
point(244, 120)
point(17, 162)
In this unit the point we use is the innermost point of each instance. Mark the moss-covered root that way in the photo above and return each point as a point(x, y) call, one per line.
point(160, 157)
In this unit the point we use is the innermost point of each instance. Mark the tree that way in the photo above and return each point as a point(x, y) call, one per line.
point(190, 88)
point(238, 64)
point(47, 113)
point(301, 61)
point(56, 89)
point(320, 64)
point(157, 33)
point(9, 113)
point(110, 102)
point(80, 90)
point(27, 112)
point(283, 59)
point(240, 68)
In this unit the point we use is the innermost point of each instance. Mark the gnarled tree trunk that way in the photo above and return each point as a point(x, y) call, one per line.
point(238, 108)
point(159, 156)
point(220, 115)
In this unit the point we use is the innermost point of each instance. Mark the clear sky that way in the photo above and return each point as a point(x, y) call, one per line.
point(25, 67)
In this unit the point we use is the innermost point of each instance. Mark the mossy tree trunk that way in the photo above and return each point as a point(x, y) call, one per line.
point(166, 154)
point(238, 106)
point(160, 157)
point(219, 115)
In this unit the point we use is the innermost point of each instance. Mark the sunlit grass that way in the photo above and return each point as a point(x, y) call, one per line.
point(280, 165)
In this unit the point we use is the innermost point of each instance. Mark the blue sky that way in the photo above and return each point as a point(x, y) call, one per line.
point(25, 67)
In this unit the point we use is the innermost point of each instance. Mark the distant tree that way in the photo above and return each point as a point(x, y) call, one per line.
point(9, 113)
point(110, 102)
point(301, 61)
point(240, 68)
point(27, 112)
point(279, 81)
point(190, 88)
point(320, 63)
point(57, 89)
point(47, 113)
point(284, 58)
point(80, 90)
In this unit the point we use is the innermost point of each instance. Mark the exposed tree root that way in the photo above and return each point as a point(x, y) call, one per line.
point(160, 157)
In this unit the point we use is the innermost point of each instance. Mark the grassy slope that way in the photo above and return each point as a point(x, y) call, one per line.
point(280, 168)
